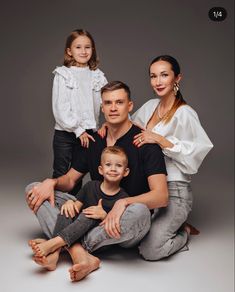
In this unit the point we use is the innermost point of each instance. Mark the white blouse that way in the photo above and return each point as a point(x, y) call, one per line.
point(191, 143)
point(76, 98)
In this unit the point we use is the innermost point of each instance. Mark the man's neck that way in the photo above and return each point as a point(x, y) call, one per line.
point(117, 131)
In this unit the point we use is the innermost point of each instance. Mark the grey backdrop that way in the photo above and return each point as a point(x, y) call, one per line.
point(128, 35)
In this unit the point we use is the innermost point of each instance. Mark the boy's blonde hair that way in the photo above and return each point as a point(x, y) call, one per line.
point(115, 150)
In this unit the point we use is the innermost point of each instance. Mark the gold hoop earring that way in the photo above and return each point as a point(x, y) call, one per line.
point(176, 88)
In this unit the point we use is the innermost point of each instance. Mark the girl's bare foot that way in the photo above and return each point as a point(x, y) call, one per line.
point(49, 246)
point(49, 262)
point(191, 230)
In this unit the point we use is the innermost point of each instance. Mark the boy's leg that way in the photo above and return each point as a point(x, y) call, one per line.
point(135, 223)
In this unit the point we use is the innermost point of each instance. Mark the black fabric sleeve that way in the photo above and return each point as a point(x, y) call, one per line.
point(82, 193)
point(153, 160)
point(80, 159)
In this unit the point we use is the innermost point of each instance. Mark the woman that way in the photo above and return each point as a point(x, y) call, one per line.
point(174, 125)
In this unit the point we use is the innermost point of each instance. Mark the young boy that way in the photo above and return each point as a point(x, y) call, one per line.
point(95, 200)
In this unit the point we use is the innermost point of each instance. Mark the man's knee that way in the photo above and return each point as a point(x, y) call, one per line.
point(137, 215)
point(30, 186)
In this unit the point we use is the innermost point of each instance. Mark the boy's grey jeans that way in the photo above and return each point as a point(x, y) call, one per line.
point(135, 223)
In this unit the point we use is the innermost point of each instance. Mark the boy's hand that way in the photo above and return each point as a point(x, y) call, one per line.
point(95, 212)
point(69, 209)
point(102, 131)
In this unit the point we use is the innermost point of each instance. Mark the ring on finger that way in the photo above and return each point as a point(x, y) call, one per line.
point(140, 140)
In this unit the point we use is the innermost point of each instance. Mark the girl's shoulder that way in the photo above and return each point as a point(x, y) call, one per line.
point(98, 79)
point(66, 74)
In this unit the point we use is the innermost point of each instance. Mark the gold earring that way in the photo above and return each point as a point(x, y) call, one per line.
point(176, 88)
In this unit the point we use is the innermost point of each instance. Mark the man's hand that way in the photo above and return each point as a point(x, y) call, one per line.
point(40, 193)
point(112, 221)
point(95, 212)
point(69, 208)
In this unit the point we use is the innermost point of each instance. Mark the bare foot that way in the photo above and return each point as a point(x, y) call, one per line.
point(49, 262)
point(191, 229)
point(32, 242)
point(84, 263)
point(81, 270)
point(49, 246)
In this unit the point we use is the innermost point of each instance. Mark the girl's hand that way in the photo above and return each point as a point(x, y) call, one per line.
point(69, 209)
point(102, 131)
point(95, 212)
point(145, 137)
point(84, 137)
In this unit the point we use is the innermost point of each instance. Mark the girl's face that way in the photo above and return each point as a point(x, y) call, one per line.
point(162, 78)
point(81, 50)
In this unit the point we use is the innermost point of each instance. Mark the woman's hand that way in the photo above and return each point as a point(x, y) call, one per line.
point(145, 137)
point(84, 137)
point(102, 131)
point(95, 212)
point(69, 209)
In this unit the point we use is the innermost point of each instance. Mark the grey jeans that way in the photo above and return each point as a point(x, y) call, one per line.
point(166, 235)
point(135, 223)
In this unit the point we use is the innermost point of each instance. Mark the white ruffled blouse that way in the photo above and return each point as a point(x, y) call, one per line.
point(76, 98)
point(191, 143)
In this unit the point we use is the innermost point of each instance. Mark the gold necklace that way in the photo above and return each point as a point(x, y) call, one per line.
point(158, 114)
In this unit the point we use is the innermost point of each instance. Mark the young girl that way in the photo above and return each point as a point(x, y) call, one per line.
point(75, 99)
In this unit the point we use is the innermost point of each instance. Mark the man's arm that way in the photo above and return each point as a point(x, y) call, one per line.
point(45, 190)
point(157, 197)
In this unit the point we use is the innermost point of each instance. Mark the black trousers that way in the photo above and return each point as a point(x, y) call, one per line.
point(63, 148)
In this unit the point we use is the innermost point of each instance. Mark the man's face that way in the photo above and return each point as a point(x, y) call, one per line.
point(116, 106)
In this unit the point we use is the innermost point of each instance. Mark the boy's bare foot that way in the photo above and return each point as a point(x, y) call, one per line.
point(49, 246)
point(32, 242)
point(84, 263)
point(49, 262)
point(191, 230)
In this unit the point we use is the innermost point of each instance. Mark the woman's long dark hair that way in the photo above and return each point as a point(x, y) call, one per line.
point(179, 101)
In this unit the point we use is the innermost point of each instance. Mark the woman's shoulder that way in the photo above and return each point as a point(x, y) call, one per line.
point(186, 110)
point(148, 105)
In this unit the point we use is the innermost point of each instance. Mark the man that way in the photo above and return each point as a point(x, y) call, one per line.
point(129, 220)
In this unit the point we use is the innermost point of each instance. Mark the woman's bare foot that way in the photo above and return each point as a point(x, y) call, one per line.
point(191, 230)
point(84, 263)
point(49, 262)
point(49, 246)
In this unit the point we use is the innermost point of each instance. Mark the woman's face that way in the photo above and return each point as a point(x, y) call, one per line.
point(162, 78)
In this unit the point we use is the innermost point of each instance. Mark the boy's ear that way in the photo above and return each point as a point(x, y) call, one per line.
point(100, 170)
point(127, 171)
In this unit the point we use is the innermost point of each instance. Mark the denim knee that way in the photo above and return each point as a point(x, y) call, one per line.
point(137, 215)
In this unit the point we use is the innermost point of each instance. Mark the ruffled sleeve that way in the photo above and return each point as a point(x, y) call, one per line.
point(65, 73)
point(191, 143)
point(64, 114)
point(98, 79)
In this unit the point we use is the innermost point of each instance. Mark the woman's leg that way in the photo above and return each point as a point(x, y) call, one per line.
point(166, 235)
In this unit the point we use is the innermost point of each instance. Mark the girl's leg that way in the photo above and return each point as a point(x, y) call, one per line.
point(64, 144)
point(166, 235)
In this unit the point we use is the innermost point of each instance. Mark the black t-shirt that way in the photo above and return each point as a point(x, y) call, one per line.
point(143, 161)
point(91, 193)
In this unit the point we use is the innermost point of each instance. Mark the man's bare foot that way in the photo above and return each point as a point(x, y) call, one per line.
point(81, 270)
point(49, 262)
point(191, 230)
point(49, 246)
point(84, 263)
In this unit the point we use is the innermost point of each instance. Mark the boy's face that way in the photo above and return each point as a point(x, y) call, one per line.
point(113, 167)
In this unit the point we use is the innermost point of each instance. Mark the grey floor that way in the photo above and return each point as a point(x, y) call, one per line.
point(208, 266)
